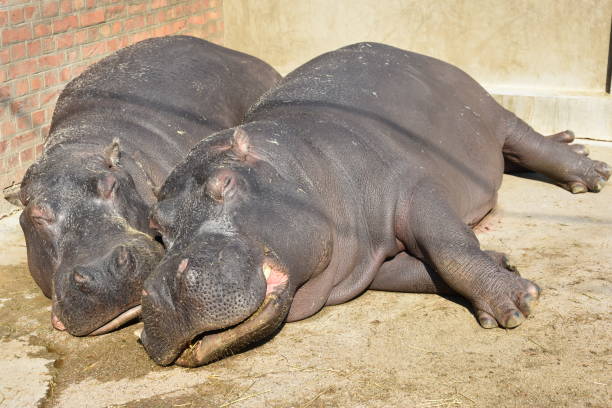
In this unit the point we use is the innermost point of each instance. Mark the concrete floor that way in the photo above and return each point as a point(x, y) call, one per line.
point(380, 350)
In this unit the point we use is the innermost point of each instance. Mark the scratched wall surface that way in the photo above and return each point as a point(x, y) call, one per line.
point(540, 45)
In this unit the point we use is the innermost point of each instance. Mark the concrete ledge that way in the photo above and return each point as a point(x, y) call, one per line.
point(588, 115)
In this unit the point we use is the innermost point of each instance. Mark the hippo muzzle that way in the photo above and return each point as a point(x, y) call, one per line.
point(98, 294)
point(212, 299)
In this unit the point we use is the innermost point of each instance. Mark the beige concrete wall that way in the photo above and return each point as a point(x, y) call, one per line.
point(545, 60)
point(534, 44)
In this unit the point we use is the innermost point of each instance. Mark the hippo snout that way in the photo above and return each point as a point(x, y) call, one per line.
point(213, 284)
point(96, 293)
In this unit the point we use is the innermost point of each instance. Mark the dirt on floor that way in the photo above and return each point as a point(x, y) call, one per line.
point(380, 350)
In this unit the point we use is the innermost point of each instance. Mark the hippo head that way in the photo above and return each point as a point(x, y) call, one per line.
point(88, 242)
point(240, 238)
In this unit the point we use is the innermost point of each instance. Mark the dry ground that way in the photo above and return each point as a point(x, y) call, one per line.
point(380, 350)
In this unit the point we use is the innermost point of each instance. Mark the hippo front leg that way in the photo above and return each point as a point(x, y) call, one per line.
point(498, 295)
point(405, 273)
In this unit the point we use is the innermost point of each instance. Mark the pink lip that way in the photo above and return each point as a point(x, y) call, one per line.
point(57, 323)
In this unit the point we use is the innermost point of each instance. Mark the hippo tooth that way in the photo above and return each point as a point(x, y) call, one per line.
point(266, 271)
point(138, 332)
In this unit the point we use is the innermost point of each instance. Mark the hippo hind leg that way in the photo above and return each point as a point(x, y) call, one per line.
point(565, 137)
point(553, 156)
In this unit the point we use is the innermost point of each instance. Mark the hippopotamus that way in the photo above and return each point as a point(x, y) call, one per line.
point(117, 131)
point(362, 169)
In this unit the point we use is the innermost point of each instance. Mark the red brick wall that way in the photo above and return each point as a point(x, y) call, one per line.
point(46, 43)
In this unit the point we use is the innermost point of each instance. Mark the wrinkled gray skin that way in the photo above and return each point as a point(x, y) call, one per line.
point(362, 169)
point(117, 131)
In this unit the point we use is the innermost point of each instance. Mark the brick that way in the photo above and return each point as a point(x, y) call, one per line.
point(113, 45)
point(13, 161)
point(16, 16)
point(65, 74)
point(50, 61)
point(65, 23)
point(78, 4)
point(155, 4)
point(91, 18)
point(44, 131)
point(3, 146)
point(114, 12)
point(34, 48)
point(80, 37)
point(65, 40)
point(47, 44)
point(51, 78)
point(49, 96)
point(92, 33)
point(93, 50)
point(212, 15)
point(7, 128)
point(197, 20)
point(39, 148)
point(23, 123)
point(116, 27)
point(25, 104)
point(27, 155)
point(36, 82)
point(78, 70)
point(50, 8)
point(3, 18)
point(72, 56)
point(42, 30)
point(18, 51)
point(29, 12)
point(134, 23)
point(22, 68)
point(91, 3)
point(136, 8)
point(13, 35)
point(3, 76)
point(66, 6)
point(5, 56)
point(38, 118)
point(22, 87)
point(5, 92)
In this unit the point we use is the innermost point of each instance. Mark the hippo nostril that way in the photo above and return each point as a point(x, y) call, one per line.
point(81, 278)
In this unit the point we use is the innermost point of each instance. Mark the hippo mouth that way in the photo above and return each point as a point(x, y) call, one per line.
point(217, 344)
point(116, 322)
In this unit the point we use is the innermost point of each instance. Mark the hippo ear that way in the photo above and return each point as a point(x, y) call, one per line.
point(112, 153)
point(240, 143)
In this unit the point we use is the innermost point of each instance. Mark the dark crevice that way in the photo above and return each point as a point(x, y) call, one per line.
point(609, 70)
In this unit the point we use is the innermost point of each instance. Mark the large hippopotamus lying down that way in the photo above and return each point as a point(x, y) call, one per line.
point(117, 131)
point(362, 169)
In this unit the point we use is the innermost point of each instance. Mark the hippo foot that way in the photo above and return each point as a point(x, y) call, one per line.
point(506, 299)
point(586, 174)
point(592, 178)
point(566, 137)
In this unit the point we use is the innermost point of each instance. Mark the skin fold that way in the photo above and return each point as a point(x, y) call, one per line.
point(117, 131)
point(363, 168)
